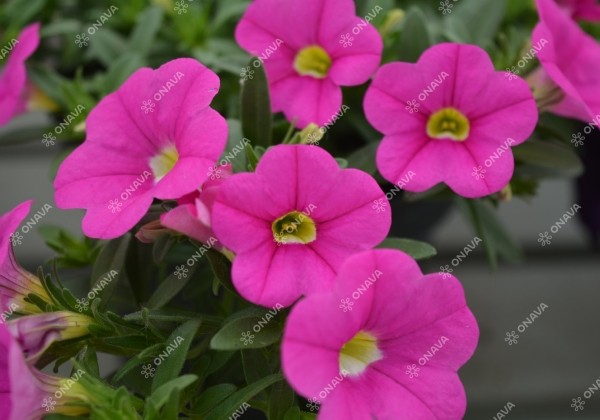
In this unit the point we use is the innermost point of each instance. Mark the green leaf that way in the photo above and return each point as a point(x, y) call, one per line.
point(364, 158)
point(415, 36)
point(554, 159)
point(256, 106)
point(120, 70)
point(170, 366)
point(295, 413)
point(230, 336)
point(221, 266)
point(281, 399)
point(416, 249)
point(111, 257)
point(238, 398)
point(251, 157)
point(21, 11)
point(106, 46)
point(475, 21)
point(255, 364)
point(211, 398)
point(147, 26)
point(169, 288)
point(137, 360)
point(161, 395)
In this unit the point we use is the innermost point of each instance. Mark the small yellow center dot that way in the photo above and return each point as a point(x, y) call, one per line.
point(448, 123)
point(163, 162)
point(312, 61)
point(294, 228)
point(358, 353)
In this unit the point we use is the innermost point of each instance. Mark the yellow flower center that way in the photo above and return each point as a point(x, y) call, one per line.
point(358, 353)
point(312, 61)
point(448, 123)
point(294, 228)
point(162, 163)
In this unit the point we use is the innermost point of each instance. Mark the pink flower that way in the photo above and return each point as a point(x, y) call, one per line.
point(15, 282)
point(155, 137)
point(26, 393)
point(294, 221)
point(568, 83)
point(385, 343)
point(449, 118)
point(582, 9)
point(310, 49)
point(13, 78)
point(35, 333)
point(193, 215)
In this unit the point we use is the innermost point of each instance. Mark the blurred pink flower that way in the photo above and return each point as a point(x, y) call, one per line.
point(449, 118)
point(155, 137)
point(568, 83)
point(394, 355)
point(294, 221)
point(310, 48)
point(582, 9)
point(193, 215)
point(16, 282)
point(13, 77)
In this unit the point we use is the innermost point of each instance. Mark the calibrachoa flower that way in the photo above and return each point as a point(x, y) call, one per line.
point(35, 333)
point(193, 215)
point(582, 9)
point(26, 393)
point(15, 282)
point(396, 323)
point(305, 60)
point(568, 83)
point(294, 221)
point(13, 77)
point(132, 157)
point(470, 116)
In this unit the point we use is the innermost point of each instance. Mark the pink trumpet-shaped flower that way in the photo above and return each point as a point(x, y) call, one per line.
point(13, 77)
point(294, 221)
point(449, 118)
point(385, 343)
point(582, 9)
point(310, 49)
point(155, 137)
point(568, 83)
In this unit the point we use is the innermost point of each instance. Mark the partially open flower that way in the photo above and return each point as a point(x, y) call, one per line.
point(16, 282)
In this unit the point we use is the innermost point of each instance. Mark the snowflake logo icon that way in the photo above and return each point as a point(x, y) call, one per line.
point(545, 239)
point(313, 139)
point(279, 238)
point(379, 205)
point(247, 73)
point(148, 106)
point(181, 7)
point(82, 305)
point(446, 270)
point(412, 371)
point(346, 304)
point(48, 139)
point(48, 404)
point(115, 205)
point(247, 338)
point(148, 371)
point(578, 404)
point(214, 172)
point(478, 173)
point(511, 73)
point(412, 106)
point(16, 238)
point(577, 139)
point(82, 40)
point(445, 7)
point(511, 338)
point(346, 40)
point(313, 404)
point(181, 271)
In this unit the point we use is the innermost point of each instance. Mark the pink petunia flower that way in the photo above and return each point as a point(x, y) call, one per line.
point(568, 83)
point(582, 9)
point(26, 393)
point(16, 282)
point(449, 118)
point(385, 343)
point(152, 138)
point(193, 215)
point(294, 221)
point(310, 48)
point(35, 333)
point(13, 77)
